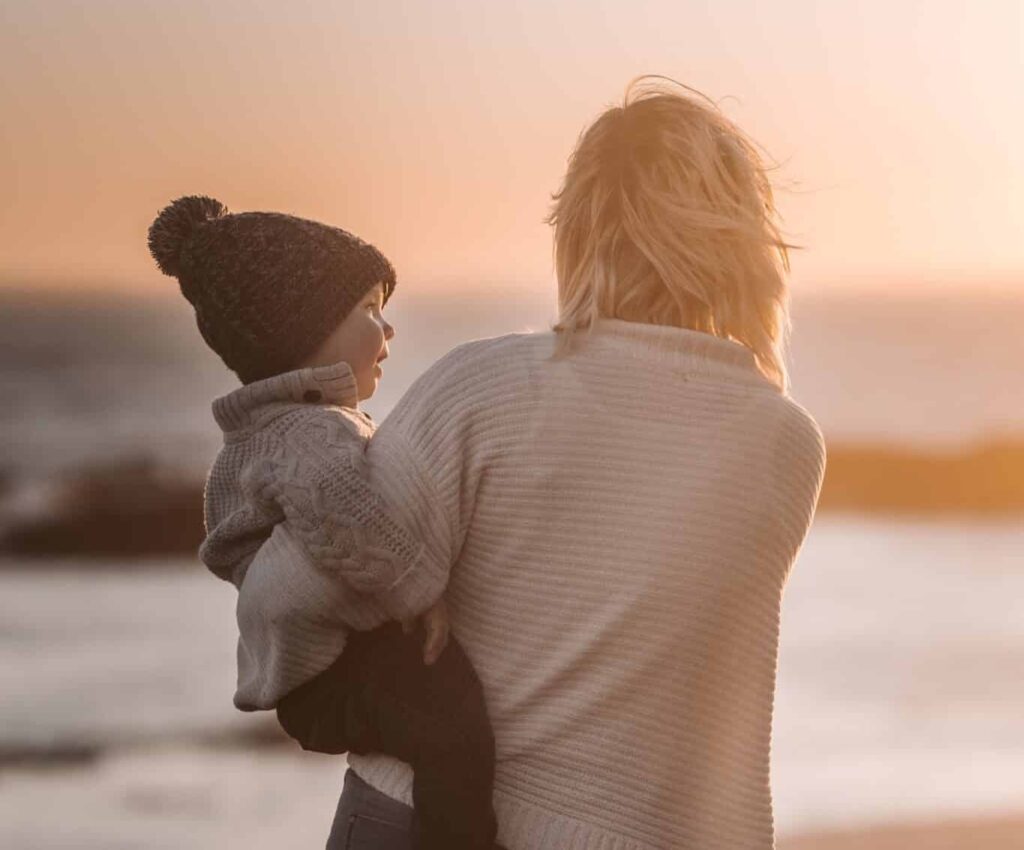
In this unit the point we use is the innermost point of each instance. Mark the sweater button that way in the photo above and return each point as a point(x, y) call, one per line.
point(312, 396)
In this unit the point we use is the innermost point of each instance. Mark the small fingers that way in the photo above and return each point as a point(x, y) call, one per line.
point(437, 640)
point(431, 650)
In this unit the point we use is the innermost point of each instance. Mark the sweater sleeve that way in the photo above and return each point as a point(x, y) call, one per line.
point(426, 462)
point(318, 479)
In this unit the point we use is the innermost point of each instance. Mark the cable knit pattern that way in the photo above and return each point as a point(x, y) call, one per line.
point(619, 526)
point(293, 524)
point(315, 478)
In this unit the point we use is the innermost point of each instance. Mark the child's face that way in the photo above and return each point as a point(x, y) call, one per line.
point(361, 341)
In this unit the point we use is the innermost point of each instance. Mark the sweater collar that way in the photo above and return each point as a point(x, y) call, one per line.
point(333, 384)
point(695, 351)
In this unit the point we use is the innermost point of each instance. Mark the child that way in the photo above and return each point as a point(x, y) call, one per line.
point(293, 307)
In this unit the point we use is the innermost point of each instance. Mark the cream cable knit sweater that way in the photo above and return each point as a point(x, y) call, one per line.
point(292, 523)
point(619, 526)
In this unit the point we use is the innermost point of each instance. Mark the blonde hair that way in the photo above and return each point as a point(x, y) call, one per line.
point(666, 216)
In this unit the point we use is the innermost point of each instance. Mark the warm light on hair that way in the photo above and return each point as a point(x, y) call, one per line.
point(666, 217)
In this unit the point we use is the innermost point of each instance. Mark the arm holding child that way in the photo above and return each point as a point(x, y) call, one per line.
point(314, 481)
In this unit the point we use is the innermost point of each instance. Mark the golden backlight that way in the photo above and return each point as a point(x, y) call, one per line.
point(439, 130)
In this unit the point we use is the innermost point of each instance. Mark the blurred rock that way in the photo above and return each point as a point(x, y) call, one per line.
point(136, 507)
point(257, 731)
point(128, 507)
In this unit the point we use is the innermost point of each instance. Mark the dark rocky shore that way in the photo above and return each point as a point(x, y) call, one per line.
point(135, 507)
point(262, 732)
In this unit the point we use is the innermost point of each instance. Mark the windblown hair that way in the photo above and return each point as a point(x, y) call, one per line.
point(666, 217)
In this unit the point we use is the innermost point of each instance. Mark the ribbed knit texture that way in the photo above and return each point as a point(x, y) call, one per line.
point(292, 523)
point(619, 525)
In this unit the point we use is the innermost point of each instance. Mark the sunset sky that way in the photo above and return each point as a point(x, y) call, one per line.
point(438, 130)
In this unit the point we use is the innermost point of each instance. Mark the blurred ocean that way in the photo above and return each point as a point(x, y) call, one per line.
point(93, 376)
point(900, 687)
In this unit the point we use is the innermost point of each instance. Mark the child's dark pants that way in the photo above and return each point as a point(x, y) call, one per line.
point(380, 697)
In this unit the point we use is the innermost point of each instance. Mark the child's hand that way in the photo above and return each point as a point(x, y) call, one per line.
point(435, 624)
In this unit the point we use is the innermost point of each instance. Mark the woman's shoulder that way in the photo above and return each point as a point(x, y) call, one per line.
point(798, 448)
point(798, 425)
point(484, 364)
point(497, 349)
point(479, 375)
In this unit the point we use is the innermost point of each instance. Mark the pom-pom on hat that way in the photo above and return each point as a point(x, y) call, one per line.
point(267, 288)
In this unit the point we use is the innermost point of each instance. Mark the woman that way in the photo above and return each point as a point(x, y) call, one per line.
point(618, 502)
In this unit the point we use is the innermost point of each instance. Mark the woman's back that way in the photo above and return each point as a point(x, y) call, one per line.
point(621, 522)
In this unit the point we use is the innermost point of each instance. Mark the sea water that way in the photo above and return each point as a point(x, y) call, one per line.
point(87, 379)
point(899, 694)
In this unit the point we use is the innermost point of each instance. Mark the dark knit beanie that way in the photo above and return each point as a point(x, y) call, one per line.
point(267, 288)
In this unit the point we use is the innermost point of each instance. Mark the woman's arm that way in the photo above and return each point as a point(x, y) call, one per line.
point(315, 482)
point(425, 463)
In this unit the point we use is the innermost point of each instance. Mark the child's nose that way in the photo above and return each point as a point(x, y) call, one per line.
point(389, 331)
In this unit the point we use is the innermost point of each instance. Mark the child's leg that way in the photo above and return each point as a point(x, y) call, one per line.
point(436, 719)
point(381, 697)
point(321, 714)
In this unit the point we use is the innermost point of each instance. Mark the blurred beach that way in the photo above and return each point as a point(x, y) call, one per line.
point(899, 693)
point(899, 698)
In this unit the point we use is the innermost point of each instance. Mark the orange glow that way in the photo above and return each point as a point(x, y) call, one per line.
point(439, 131)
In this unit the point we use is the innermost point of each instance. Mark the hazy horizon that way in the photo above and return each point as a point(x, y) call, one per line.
point(439, 131)
point(885, 287)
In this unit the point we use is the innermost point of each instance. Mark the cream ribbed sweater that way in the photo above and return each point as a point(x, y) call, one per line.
point(619, 526)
